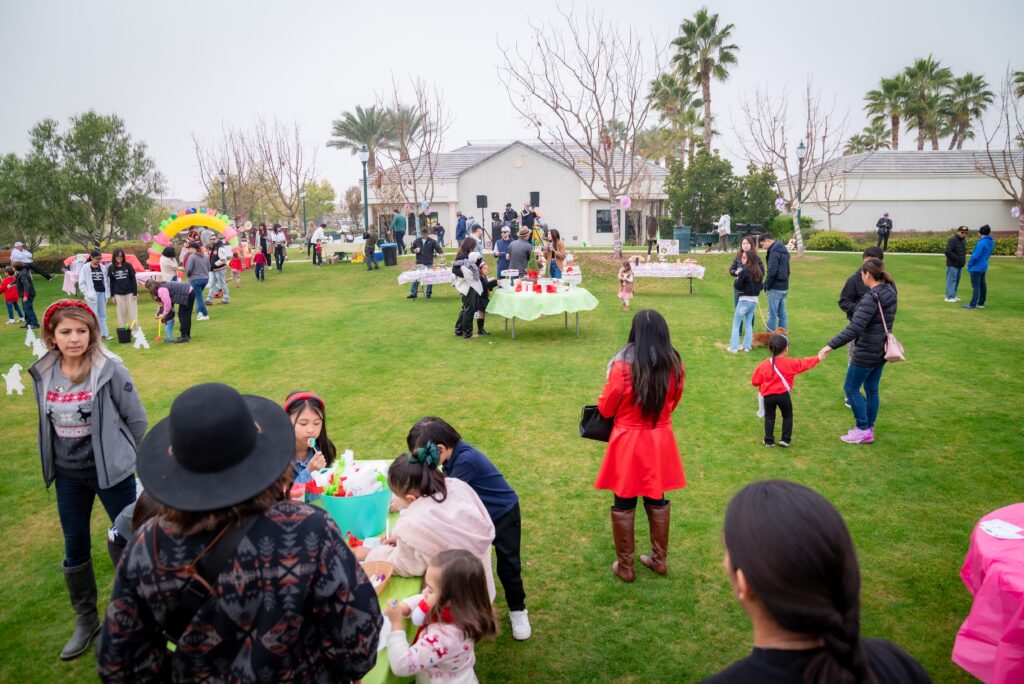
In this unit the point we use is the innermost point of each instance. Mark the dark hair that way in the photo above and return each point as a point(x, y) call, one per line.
point(327, 447)
point(984, 230)
point(765, 237)
point(9, 270)
point(146, 507)
point(463, 592)
point(95, 253)
point(405, 477)
point(432, 429)
point(876, 269)
point(168, 252)
point(18, 265)
point(752, 239)
point(776, 345)
point(467, 246)
point(277, 226)
point(154, 285)
point(118, 252)
point(797, 555)
point(753, 265)
point(554, 236)
point(873, 252)
point(191, 522)
point(657, 367)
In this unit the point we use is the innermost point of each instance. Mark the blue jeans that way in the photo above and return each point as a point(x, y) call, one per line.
point(12, 307)
point(416, 286)
point(101, 312)
point(30, 313)
point(979, 288)
point(75, 497)
point(865, 408)
point(777, 309)
point(952, 281)
point(218, 283)
point(555, 271)
point(260, 272)
point(745, 315)
point(198, 285)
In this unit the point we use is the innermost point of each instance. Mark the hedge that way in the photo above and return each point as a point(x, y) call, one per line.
point(928, 243)
point(782, 226)
point(831, 241)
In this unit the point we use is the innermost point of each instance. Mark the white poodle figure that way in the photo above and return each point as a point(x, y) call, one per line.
point(29, 337)
point(38, 348)
point(13, 378)
point(140, 339)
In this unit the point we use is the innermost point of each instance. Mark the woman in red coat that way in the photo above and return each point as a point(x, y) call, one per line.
point(644, 385)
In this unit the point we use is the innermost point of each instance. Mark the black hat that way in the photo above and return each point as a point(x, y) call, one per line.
point(217, 448)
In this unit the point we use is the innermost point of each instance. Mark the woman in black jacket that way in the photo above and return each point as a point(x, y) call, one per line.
point(868, 329)
point(747, 286)
point(124, 289)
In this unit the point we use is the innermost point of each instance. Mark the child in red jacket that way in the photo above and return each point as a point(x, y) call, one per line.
point(11, 296)
point(260, 263)
point(774, 379)
point(236, 269)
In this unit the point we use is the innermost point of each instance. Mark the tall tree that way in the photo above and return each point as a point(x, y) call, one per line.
point(672, 98)
point(927, 79)
point(888, 101)
point(873, 137)
point(1018, 83)
point(97, 181)
point(702, 53)
point(284, 164)
point(966, 101)
point(353, 208)
point(1002, 159)
point(370, 127)
point(236, 155)
point(574, 85)
point(21, 195)
point(702, 191)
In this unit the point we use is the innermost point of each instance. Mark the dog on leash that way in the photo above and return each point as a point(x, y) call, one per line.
point(761, 339)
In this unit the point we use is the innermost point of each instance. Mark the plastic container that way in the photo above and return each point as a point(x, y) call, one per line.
point(124, 335)
point(682, 234)
point(390, 252)
point(363, 516)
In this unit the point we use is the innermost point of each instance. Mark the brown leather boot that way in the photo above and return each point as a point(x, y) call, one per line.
point(622, 532)
point(658, 521)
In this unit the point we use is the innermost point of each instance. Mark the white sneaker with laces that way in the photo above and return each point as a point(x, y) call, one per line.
point(10, 321)
point(952, 300)
point(521, 629)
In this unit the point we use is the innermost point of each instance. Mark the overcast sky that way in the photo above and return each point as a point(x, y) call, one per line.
point(171, 69)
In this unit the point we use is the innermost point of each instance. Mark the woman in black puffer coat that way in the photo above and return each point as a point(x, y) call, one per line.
point(868, 330)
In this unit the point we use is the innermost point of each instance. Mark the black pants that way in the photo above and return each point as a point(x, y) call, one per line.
point(508, 531)
point(279, 256)
point(185, 315)
point(400, 241)
point(785, 403)
point(309, 247)
point(883, 241)
point(318, 258)
point(371, 261)
point(469, 307)
point(628, 503)
point(36, 269)
point(651, 243)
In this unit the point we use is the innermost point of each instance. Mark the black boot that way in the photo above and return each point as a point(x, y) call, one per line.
point(81, 584)
point(480, 327)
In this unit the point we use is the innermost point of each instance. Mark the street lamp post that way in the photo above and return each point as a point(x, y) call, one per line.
point(302, 194)
point(364, 156)
point(801, 153)
point(223, 176)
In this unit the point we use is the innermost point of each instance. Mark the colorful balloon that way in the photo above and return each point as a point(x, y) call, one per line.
point(624, 201)
point(1015, 212)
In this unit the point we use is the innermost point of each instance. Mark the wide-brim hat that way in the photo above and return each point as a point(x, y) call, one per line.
point(217, 448)
point(524, 232)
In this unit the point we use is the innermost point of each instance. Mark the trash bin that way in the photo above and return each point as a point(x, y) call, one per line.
point(124, 335)
point(390, 251)
point(682, 235)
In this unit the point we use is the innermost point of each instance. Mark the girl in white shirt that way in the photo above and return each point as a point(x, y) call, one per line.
point(280, 239)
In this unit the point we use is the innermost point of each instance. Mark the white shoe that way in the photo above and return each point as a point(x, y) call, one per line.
point(952, 300)
point(733, 351)
point(521, 629)
point(10, 321)
point(201, 317)
point(21, 320)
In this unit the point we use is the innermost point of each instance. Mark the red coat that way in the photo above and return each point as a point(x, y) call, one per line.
point(767, 380)
point(641, 460)
point(9, 290)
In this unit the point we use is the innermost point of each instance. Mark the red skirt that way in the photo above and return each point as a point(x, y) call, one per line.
point(641, 461)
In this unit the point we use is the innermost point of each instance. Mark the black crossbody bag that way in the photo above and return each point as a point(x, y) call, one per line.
point(194, 594)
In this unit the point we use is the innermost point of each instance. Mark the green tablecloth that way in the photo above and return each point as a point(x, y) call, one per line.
point(398, 588)
point(529, 306)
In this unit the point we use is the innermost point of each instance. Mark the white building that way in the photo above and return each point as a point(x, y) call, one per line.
point(508, 172)
point(923, 190)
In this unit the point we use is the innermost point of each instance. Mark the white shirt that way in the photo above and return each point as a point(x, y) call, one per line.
point(278, 236)
point(723, 224)
point(318, 235)
point(22, 255)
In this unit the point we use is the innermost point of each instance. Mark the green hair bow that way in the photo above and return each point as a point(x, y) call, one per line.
point(426, 454)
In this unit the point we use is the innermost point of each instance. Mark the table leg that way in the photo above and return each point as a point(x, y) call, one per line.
point(566, 320)
point(506, 325)
point(577, 324)
point(513, 327)
point(691, 284)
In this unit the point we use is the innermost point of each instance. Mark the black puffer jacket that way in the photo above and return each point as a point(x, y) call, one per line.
point(746, 285)
point(866, 327)
point(956, 252)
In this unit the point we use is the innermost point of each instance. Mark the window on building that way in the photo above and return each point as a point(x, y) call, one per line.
point(604, 220)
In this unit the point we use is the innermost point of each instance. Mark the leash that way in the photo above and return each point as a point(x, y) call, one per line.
point(761, 313)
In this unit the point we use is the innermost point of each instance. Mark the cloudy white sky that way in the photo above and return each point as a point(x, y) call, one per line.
point(171, 69)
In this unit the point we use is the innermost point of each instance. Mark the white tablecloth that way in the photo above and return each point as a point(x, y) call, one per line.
point(430, 277)
point(668, 271)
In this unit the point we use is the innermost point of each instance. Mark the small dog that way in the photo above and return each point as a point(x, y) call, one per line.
point(761, 338)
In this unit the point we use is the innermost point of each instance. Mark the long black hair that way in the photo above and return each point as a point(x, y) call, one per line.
point(307, 400)
point(423, 478)
point(656, 364)
point(797, 555)
point(776, 345)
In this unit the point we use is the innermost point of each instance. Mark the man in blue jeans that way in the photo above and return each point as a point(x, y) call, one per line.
point(977, 266)
point(776, 281)
point(197, 272)
point(956, 258)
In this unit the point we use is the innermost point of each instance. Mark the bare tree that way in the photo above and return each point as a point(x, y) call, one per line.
point(418, 129)
point(769, 136)
point(832, 192)
point(234, 154)
point(353, 204)
point(283, 163)
point(1003, 159)
point(583, 87)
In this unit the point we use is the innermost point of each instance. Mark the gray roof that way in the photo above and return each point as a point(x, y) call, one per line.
point(918, 162)
point(451, 165)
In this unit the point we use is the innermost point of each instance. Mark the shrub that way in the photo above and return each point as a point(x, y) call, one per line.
point(831, 241)
point(665, 227)
point(782, 226)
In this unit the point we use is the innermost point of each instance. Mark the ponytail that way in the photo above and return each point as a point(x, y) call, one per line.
point(418, 473)
point(776, 345)
point(876, 269)
point(843, 660)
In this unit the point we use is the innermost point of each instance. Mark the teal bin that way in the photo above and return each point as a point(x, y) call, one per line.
point(362, 516)
point(682, 234)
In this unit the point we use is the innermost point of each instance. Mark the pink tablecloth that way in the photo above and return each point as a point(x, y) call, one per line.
point(990, 643)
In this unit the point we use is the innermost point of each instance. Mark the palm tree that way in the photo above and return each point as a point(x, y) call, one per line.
point(703, 53)
point(926, 80)
point(965, 102)
point(889, 101)
point(405, 123)
point(873, 137)
point(671, 97)
point(656, 144)
point(369, 127)
point(1018, 83)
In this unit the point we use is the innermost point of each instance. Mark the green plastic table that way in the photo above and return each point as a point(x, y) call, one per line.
point(529, 306)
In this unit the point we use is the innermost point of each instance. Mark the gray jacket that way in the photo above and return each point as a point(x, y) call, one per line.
point(519, 256)
point(119, 419)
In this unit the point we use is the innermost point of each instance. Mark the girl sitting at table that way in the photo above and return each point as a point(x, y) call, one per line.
point(458, 615)
point(439, 514)
point(313, 448)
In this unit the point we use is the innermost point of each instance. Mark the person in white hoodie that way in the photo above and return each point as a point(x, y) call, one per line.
point(92, 283)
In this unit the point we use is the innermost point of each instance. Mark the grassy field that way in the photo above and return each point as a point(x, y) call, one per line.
point(948, 450)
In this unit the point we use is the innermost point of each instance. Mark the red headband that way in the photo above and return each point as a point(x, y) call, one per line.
point(300, 396)
point(64, 304)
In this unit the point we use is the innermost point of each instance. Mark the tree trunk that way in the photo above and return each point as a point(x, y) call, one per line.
point(796, 231)
point(952, 141)
point(961, 135)
point(935, 139)
point(1020, 231)
point(895, 119)
point(616, 231)
point(920, 131)
point(705, 89)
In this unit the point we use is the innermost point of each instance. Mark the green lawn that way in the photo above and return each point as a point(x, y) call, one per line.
point(948, 450)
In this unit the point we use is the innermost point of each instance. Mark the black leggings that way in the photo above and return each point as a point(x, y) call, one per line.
point(628, 503)
point(784, 403)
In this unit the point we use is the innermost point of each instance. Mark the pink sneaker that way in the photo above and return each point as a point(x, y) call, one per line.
point(858, 436)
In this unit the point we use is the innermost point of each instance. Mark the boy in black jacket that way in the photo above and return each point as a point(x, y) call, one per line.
point(956, 259)
point(26, 293)
point(424, 247)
